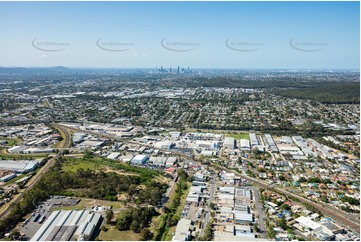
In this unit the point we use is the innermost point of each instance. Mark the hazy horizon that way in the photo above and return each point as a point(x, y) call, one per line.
point(225, 35)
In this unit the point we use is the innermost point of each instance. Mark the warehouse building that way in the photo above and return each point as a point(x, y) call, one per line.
point(17, 149)
point(245, 145)
point(286, 140)
point(171, 161)
point(271, 143)
point(182, 232)
point(7, 177)
point(255, 143)
point(228, 143)
point(113, 155)
point(164, 145)
point(78, 137)
point(21, 166)
point(139, 159)
point(69, 225)
point(157, 161)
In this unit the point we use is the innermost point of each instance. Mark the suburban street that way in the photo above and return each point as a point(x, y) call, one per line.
point(210, 200)
point(260, 213)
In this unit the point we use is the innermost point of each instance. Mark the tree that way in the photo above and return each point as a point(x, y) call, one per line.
point(105, 229)
point(282, 223)
point(271, 232)
point(135, 226)
point(145, 234)
point(284, 206)
point(256, 228)
point(109, 214)
point(124, 221)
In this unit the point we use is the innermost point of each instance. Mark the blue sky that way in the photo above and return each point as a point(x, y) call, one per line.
point(287, 35)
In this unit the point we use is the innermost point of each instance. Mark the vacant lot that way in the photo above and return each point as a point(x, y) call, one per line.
point(115, 235)
point(73, 164)
point(239, 136)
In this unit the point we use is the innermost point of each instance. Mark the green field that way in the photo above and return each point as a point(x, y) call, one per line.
point(76, 164)
point(115, 235)
point(239, 136)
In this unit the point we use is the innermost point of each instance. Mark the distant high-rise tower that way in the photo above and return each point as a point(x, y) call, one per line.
point(178, 70)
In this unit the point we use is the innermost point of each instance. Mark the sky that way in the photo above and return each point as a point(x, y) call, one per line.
point(257, 35)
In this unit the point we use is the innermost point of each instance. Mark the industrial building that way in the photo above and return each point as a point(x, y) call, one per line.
point(235, 233)
point(139, 159)
point(299, 141)
point(7, 177)
point(271, 143)
point(228, 143)
point(245, 145)
point(69, 225)
point(17, 149)
point(286, 140)
point(157, 161)
point(182, 232)
point(113, 155)
point(255, 143)
point(21, 166)
point(78, 137)
point(164, 145)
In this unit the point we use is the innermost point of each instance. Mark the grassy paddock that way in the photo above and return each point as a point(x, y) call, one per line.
point(239, 136)
point(115, 235)
point(73, 165)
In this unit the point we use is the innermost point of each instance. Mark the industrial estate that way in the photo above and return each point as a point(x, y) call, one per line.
point(179, 158)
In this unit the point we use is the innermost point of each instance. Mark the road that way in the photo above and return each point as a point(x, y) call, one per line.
point(170, 188)
point(260, 212)
point(7, 207)
point(208, 210)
